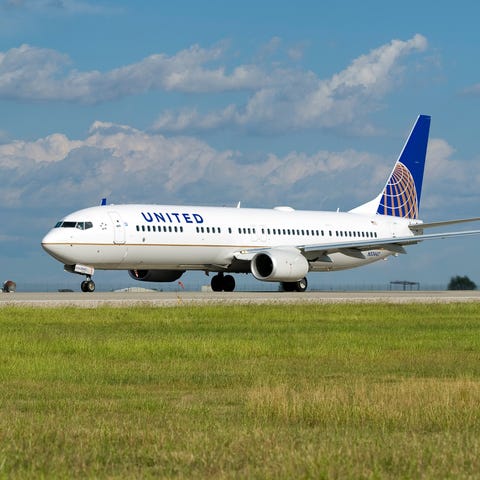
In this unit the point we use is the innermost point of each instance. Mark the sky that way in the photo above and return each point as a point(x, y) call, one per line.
point(303, 103)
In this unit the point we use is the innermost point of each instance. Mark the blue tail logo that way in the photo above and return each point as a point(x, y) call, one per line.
point(401, 195)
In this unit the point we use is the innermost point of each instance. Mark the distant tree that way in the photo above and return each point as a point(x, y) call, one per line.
point(461, 283)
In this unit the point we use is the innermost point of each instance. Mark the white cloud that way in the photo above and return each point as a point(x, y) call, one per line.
point(281, 97)
point(40, 74)
point(298, 100)
point(133, 165)
point(49, 149)
point(130, 165)
point(450, 183)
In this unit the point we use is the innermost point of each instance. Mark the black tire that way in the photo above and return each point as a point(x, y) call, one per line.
point(217, 283)
point(90, 286)
point(228, 283)
point(301, 285)
point(83, 286)
point(288, 286)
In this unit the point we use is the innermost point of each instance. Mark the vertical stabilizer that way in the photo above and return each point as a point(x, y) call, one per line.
point(402, 192)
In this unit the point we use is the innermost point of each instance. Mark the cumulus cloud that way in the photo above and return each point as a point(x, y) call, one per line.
point(133, 165)
point(130, 165)
point(277, 96)
point(32, 73)
point(449, 181)
point(295, 100)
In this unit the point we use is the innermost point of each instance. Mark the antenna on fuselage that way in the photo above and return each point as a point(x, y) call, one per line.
point(239, 204)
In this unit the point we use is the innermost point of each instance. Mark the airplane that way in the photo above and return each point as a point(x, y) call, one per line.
point(158, 243)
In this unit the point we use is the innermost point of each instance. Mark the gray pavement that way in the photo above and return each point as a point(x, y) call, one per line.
point(163, 299)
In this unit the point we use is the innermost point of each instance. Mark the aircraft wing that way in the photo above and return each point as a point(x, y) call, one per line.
point(356, 248)
point(394, 245)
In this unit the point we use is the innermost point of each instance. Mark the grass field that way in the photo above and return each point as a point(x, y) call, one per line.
point(326, 391)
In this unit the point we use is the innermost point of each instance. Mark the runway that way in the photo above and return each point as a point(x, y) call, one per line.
point(168, 299)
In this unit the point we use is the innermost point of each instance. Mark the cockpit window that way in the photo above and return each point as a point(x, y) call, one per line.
point(69, 224)
point(79, 225)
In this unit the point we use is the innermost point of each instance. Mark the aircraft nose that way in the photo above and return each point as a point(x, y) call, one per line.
point(47, 241)
point(51, 244)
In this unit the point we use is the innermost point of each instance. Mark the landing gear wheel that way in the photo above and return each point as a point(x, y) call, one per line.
point(217, 283)
point(220, 283)
point(301, 285)
point(87, 286)
point(228, 283)
point(288, 286)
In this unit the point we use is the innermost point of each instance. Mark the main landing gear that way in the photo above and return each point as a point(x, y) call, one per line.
point(88, 285)
point(222, 283)
point(299, 286)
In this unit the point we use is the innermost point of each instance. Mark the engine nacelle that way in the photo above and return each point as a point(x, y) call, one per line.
point(156, 275)
point(279, 265)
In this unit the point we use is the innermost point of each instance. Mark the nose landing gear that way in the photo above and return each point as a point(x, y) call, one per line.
point(87, 285)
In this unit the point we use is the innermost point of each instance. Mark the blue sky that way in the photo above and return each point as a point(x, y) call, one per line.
point(269, 102)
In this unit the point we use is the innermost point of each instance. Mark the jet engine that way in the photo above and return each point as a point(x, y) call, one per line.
point(156, 275)
point(279, 265)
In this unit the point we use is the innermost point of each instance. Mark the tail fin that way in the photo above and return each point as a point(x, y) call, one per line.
point(401, 195)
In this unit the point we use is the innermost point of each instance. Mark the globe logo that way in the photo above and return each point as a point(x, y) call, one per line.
point(399, 199)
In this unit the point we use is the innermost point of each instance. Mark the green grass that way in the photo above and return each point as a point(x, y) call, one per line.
point(325, 391)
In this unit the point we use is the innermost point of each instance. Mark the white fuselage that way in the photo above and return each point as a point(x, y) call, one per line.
point(123, 237)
